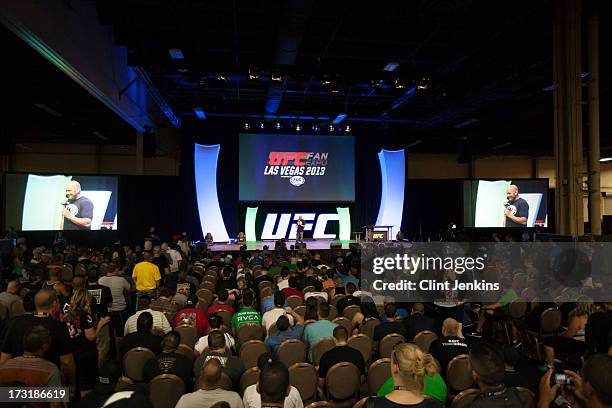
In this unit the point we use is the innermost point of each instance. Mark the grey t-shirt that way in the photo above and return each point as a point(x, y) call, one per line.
point(206, 399)
point(117, 286)
point(7, 298)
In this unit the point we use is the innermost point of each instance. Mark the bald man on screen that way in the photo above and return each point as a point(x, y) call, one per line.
point(517, 209)
point(78, 211)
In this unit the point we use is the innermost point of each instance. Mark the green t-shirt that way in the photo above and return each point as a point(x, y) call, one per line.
point(246, 315)
point(434, 387)
point(506, 298)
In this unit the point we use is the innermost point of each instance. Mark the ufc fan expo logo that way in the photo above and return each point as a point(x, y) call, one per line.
point(296, 166)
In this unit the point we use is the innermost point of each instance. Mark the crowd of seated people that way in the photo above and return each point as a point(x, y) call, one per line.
point(280, 328)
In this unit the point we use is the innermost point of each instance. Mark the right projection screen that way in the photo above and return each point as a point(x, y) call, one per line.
point(485, 202)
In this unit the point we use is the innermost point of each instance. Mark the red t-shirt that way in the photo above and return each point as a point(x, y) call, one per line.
point(216, 307)
point(292, 292)
point(192, 316)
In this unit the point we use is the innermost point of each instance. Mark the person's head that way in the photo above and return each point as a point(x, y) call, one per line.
point(450, 327)
point(92, 275)
point(324, 310)
point(216, 341)
point(78, 282)
point(172, 340)
point(37, 340)
point(215, 321)
point(596, 385)
point(164, 246)
point(350, 288)
point(13, 287)
point(144, 302)
point(293, 282)
point(54, 274)
point(273, 385)
point(279, 299)
point(210, 374)
point(409, 364)
point(73, 190)
point(144, 323)
point(512, 192)
point(391, 311)
point(284, 272)
point(223, 296)
point(340, 335)
point(80, 302)
point(148, 247)
point(166, 292)
point(147, 256)
point(282, 323)
point(247, 298)
point(418, 309)
point(488, 367)
point(45, 301)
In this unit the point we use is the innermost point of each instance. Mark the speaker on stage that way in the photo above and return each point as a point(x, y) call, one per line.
point(300, 245)
point(335, 245)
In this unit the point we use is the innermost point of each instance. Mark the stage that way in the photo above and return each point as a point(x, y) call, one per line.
point(311, 244)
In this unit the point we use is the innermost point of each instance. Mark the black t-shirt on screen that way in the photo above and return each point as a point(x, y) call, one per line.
point(82, 207)
point(519, 208)
point(60, 339)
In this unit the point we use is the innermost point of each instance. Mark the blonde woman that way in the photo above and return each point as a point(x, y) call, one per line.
point(83, 332)
point(409, 366)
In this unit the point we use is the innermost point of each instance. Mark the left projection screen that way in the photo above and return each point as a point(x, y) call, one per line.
point(38, 202)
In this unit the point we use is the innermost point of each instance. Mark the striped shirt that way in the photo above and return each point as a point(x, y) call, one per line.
point(32, 371)
point(159, 321)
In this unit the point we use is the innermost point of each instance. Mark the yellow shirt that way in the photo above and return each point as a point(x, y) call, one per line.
point(145, 275)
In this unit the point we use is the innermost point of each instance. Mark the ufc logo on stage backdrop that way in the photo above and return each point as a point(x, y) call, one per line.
point(277, 226)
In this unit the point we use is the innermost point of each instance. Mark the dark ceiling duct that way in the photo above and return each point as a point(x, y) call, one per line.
point(290, 35)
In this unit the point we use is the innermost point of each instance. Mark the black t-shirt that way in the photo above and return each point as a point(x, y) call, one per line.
point(60, 339)
point(306, 281)
point(76, 330)
point(102, 297)
point(507, 398)
point(417, 323)
point(340, 354)
point(346, 302)
point(161, 262)
point(82, 207)
point(519, 208)
point(187, 288)
point(386, 328)
point(148, 340)
point(446, 348)
point(169, 363)
point(384, 402)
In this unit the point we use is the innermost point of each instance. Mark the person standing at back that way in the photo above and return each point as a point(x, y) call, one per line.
point(147, 277)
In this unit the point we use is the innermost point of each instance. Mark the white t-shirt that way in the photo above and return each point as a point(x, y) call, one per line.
point(283, 284)
point(206, 399)
point(272, 315)
point(159, 320)
point(202, 343)
point(252, 399)
point(176, 257)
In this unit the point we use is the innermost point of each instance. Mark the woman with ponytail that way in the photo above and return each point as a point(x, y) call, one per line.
point(409, 369)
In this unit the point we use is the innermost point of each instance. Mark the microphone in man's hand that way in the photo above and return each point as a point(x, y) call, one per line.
point(66, 201)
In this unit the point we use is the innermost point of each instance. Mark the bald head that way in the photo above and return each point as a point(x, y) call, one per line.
point(73, 189)
point(44, 300)
point(211, 374)
point(512, 192)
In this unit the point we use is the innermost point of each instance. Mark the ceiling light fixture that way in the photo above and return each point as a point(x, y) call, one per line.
point(199, 112)
point(176, 53)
